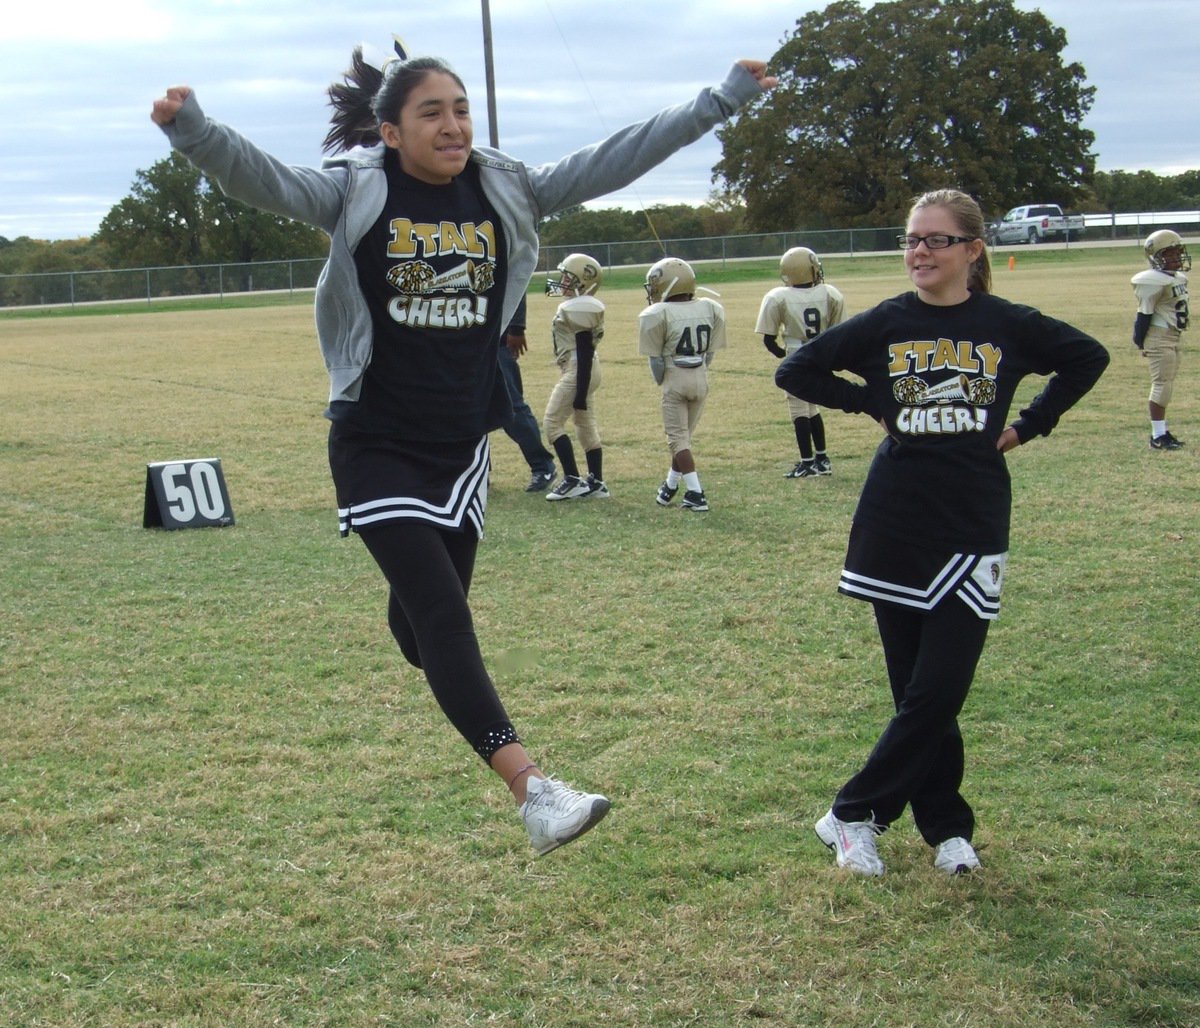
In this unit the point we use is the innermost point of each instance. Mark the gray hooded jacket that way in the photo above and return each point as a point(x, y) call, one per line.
point(346, 195)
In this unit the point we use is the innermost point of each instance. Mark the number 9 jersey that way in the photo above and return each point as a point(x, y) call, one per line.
point(1164, 296)
point(799, 313)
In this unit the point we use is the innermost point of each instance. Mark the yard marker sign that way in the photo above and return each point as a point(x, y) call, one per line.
point(186, 494)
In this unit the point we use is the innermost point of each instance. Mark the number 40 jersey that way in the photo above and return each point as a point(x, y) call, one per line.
point(682, 332)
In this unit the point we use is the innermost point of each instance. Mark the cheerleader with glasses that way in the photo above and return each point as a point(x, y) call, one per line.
point(929, 540)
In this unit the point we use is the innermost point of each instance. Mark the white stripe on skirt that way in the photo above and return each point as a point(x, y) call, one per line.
point(974, 579)
point(467, 502)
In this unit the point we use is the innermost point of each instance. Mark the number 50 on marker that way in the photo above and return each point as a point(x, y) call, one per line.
point(186, 494)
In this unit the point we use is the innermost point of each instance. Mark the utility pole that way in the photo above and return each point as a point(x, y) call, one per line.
point(490, 75)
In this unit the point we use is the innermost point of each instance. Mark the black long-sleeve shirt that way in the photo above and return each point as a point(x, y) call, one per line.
point(942, 379)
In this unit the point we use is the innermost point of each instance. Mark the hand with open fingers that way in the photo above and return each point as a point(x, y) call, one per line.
point(515, 341)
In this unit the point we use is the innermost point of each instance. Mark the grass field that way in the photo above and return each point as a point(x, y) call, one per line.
point(226, 800)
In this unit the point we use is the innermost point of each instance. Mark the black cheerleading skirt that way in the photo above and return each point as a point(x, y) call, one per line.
point(379, 479)
point(881, 569)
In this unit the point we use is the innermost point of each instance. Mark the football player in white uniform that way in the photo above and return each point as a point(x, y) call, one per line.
point(799, 310)
point(577, 328)
point(1162, 316)
point(679, 333)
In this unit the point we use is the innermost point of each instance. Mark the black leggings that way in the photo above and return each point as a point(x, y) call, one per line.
point(429, 571)
point(918, 760)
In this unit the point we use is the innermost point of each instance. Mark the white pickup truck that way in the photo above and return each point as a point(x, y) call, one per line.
point(1035, 223)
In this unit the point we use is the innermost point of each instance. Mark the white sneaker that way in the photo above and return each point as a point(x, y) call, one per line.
point(956, 856)
point(853, 842)
point(555, 814)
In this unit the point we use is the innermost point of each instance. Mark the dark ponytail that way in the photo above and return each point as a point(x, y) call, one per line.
point(354, 122)
point(367, 97)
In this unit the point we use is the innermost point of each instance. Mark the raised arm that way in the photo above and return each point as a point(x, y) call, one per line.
point(630, 152)
point(244, 171)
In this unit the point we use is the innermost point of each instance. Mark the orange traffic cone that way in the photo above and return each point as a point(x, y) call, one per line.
point(1012, 262)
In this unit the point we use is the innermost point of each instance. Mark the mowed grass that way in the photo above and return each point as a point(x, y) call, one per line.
point(226, 800)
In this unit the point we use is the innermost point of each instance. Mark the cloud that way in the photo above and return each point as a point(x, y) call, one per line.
point(67, 24)
point(77, 80)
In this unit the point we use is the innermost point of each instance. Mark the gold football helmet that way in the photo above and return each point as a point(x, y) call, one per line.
point(1166, 251)
point(801, 267)
point(577, 272)
point(669, 277)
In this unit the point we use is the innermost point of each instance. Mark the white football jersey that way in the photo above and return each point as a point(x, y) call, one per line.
point(1163, 296)
point(799, 314)
point(683, 332)
point(576, 314)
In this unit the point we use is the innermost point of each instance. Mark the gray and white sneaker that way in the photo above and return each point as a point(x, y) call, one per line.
point(597, 490)
point(554, 814)
point(853, 842)
point(572, 487)
point(804, 469)
point(956, 856)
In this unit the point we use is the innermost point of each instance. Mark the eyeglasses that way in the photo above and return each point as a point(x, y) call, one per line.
point(933, 242)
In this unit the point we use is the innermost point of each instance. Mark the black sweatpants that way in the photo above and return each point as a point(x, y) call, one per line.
point(918, 760)
point(429, 571)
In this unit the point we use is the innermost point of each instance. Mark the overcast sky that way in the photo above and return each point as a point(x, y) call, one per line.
point(77, 80)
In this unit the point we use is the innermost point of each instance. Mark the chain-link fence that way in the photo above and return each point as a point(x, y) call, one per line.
point(847, 242)
point(151, 284)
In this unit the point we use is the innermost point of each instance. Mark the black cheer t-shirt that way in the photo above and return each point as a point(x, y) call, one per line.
point(942, 379)
point(432, 271)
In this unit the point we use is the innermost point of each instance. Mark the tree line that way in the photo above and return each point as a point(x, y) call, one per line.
point(250, 235)
point(873, 107)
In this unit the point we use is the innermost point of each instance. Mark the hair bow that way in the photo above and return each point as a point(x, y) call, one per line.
point(380, 59)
